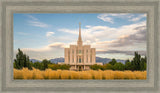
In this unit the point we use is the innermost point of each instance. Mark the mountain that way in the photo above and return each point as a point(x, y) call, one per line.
point(35, 60)
point(122, 61)
point(102, 60)
point(98, 60)
point(107, 60)
point(56, 60)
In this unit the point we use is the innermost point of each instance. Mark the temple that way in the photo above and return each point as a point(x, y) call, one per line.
point(80, 57)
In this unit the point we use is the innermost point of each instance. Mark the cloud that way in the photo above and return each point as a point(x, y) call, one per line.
point(138, 37)
point(122, 40)
point(127, 38)
point(57, 45)
point(36, 22)
point(107, 40)
point(69, 31)
point(138, 18)
point(31, 17)
point(50, 51)
point(105, 33)
point(143, 53)
point(109, 17)
point(105, 17)
point(130, 17)
point(48, 34)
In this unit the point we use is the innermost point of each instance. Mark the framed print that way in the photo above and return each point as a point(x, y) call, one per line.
point(79, 46)
point(96, 54)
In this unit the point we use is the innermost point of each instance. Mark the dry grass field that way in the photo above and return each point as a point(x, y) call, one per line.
point(67, 74)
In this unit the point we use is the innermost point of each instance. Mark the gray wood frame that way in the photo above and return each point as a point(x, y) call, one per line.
point(8, 7)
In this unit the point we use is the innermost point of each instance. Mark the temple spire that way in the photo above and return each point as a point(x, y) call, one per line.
point(79, 37)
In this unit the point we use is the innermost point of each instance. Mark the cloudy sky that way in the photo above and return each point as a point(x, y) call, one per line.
point(114, 35)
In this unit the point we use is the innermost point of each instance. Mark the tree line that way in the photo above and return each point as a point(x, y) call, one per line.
point(137, 63)
point(22, 61)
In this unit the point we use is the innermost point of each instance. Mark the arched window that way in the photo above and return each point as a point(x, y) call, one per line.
point(80, 60)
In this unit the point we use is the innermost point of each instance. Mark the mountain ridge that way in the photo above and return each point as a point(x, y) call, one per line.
point(98, 60)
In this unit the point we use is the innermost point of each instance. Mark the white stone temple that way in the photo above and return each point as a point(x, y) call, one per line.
point(80, 57)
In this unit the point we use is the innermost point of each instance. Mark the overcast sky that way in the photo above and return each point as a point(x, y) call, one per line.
point(114, 35)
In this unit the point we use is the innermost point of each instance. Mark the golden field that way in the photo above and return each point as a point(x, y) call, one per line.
point(67, 74)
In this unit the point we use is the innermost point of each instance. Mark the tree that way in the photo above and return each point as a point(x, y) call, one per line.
point(127, 61)
point(143, 64)
point(136, 61)
point(19, 60)
point(107, 67)
point(14, 65)
point(45, 63)
point(64, 67)
point(113, 61)
point(38, 65)
point(22, 60)
point(145, 59)
point(119, 66)
point(96, 67)
point(57, 66)
point(30, 65)
point(128, 66)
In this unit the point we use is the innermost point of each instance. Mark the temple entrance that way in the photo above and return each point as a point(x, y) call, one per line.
point(80, 68)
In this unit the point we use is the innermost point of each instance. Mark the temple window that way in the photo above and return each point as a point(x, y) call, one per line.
point(79, 60)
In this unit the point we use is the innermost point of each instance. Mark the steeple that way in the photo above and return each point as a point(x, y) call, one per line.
point(79, 42)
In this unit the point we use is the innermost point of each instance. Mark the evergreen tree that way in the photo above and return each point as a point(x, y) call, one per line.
point(19, 59)
point(22, 60)
point(136, 62)
point(143, 64)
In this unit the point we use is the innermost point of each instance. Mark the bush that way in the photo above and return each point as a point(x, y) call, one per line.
point(57, 66)
point(96, 67)
point(107, 67)
point(119, 66)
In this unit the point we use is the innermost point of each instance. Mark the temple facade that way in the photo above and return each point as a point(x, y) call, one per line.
point(80, 57)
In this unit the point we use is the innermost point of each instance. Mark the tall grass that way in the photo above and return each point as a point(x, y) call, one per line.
point(67, 74)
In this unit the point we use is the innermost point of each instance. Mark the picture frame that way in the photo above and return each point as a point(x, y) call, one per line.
point(9, 7)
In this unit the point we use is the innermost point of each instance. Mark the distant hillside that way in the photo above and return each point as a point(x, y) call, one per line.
point(56, 60)
point(106, 60)
point(102, 60)
point(98, 59)
point(35, 60)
